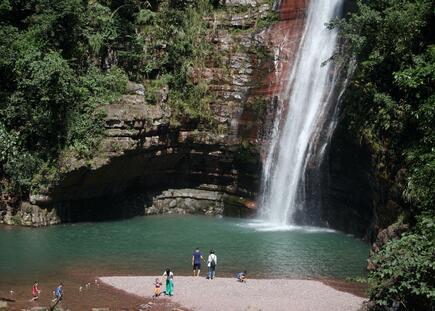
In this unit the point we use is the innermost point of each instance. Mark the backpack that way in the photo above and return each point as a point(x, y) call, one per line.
point(212, 264)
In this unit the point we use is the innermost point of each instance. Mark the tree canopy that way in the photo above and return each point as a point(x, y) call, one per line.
point(61, 61)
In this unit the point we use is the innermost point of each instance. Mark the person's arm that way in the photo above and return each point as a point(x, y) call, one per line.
point(193, 258)
point(202, 257)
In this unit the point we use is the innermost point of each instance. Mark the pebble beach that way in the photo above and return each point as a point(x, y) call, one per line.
point(198, 293)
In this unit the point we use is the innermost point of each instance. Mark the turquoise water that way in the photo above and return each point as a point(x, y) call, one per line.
point(146, 245)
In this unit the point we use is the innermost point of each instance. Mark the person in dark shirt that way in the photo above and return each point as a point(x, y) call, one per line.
point(196, 261)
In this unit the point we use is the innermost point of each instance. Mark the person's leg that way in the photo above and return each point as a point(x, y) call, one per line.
point(199, 270)
point(194, 270)
point(209, 273)
point(213, 272)
point(171, 285)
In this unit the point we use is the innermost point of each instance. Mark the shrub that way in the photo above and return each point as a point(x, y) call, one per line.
point(405, 270)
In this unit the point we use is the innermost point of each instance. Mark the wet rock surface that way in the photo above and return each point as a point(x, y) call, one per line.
point(30, 215)
point(191, 201)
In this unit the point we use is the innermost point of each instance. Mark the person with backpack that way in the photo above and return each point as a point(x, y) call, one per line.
point(211, 263)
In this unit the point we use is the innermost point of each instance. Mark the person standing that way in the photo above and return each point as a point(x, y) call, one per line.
point(169, 290)
point(211, 263)
point(196, 261)
point(157, 286)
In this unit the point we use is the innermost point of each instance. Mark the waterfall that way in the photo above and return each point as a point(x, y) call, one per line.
point(299, 122)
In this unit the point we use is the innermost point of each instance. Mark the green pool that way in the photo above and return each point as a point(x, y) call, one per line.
point(146, 245)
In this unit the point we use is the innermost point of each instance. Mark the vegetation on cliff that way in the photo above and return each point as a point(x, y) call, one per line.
point(51, 85)
point(61, 61)
point(390, 105)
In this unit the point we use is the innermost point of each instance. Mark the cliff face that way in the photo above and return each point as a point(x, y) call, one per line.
point(349, 185)
point(148, 163)
point(143, 155)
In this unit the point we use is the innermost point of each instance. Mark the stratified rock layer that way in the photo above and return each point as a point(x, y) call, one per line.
point(149, 164)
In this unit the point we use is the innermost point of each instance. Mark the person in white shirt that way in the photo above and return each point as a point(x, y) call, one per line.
point(169, 288)
point(211, 264)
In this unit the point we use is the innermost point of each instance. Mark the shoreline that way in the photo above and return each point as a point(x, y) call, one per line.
point(106, 295)
point(198, 293)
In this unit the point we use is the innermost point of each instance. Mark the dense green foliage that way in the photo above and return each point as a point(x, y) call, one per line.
point(405, 270)
point(50, 87)
point(390, 104)
point(61, 61)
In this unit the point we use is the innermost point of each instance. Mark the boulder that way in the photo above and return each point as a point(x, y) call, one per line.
point(135, 88)
point(38, 199)
point(251, 3)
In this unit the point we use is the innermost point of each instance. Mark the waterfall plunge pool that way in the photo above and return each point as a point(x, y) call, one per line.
point(146, 245)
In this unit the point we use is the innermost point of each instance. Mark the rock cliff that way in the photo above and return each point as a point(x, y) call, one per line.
point(150, 162)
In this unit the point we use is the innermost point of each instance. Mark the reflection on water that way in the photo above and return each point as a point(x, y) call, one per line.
point(146, 245)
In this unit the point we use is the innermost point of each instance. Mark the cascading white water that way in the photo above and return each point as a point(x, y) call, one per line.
point(308, 91)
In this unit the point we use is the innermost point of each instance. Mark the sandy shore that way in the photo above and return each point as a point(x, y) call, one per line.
point(257, 294)
point(102, 296)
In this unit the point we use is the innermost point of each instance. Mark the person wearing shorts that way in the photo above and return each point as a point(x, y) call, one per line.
point(196, 261)
point(157, 287)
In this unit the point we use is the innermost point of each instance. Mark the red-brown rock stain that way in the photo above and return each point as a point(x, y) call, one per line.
point(282, 39)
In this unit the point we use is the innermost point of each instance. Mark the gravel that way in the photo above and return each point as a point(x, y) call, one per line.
point(198, 293)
